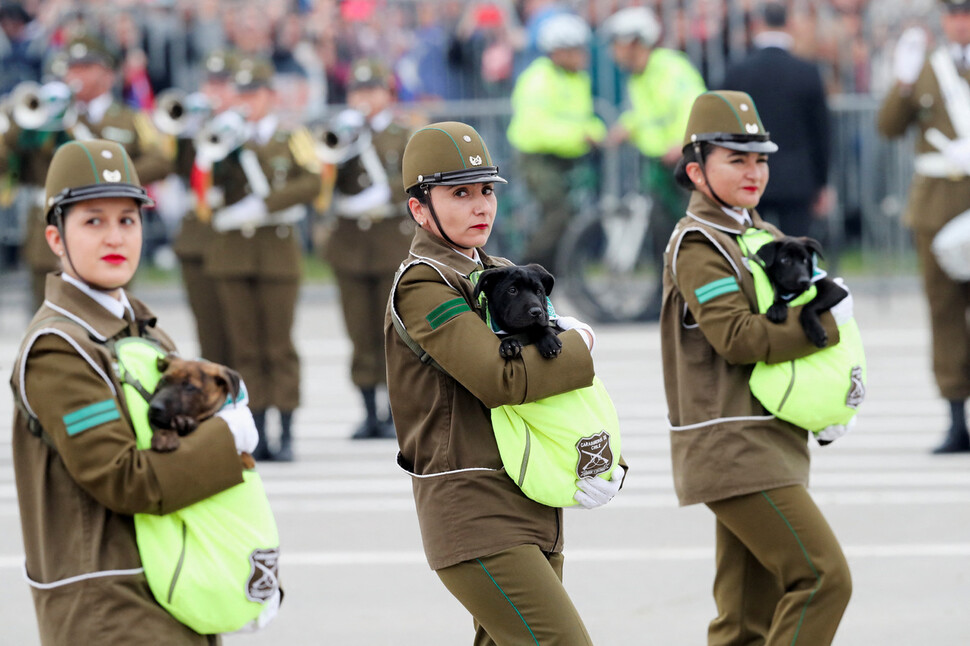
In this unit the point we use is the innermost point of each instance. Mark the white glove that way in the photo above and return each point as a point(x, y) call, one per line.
point(241, 425)
point(957, 152)
point(909, 55)
point(842, 311)
point(270, 609)
point(585, 331)
point(251, 210)
point(831, 433)
point(595, 492)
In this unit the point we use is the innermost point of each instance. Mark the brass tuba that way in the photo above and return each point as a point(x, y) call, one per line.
point(221, 135)
point(42, 107)
point(179, 114)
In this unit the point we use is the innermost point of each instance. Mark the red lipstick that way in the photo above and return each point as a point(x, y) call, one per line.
point(113, 259)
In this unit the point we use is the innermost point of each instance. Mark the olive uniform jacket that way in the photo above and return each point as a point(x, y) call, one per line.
point(933, 201)
point(373, 244)
point(723, 442)
point(34, 151)
point(195, 233)
point(467, 504)
point(79, 483)
point(271, 251)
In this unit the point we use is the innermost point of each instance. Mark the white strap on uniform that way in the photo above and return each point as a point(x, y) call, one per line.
point(956, 92)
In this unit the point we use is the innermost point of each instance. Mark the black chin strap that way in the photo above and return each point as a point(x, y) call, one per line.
point(437, 223)
point(698, 152)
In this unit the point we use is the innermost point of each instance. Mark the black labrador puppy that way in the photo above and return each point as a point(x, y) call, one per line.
point(788, 264)
point(516, 299)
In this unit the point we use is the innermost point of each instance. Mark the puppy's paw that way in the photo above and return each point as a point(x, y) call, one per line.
point(510, 348)
point(777, 313)
point(549, 346)
point(164, 441)
point(817, 335)
point(183, 424)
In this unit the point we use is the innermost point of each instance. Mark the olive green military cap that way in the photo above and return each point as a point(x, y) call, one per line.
point(220, 64)
point(956, 6)
point(88, 49)
point(252, 73)
point(448, 153)
point(90, 170)
point(367, 73)
point(728, 119)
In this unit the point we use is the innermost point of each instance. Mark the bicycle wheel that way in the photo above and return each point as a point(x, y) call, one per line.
point(608, 263)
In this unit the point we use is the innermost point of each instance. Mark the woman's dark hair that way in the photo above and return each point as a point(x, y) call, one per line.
point(418, 193)
point(680, 170)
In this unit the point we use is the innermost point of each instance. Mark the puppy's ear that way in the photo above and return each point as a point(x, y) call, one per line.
point(545, 277)
point(162, 363)
point(812, 245)
point(768, 252)
point(485, 280)
point(232, 380)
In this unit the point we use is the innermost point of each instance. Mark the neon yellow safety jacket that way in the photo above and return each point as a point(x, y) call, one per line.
point(212, 565)
point(660, 100)
point(822, 389)
point(552, 111)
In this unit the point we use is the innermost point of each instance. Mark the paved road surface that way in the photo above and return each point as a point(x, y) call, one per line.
point(639, 570)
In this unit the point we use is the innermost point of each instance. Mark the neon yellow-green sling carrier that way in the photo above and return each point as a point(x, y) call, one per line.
point(823, 389)
point(213, 564)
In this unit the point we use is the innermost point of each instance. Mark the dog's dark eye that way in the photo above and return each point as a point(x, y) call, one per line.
point(192, 388)
point(785, 260)
point(513, 290)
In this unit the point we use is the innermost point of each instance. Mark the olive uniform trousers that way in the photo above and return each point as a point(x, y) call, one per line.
point(781, 575)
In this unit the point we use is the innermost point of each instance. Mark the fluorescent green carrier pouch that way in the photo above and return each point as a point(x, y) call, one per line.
point(823, 389)
point(213, 565)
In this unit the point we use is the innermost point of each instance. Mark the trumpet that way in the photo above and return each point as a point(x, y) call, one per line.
point(221, 135)
point(179, 114)
point(42, 107)
point(344, 137)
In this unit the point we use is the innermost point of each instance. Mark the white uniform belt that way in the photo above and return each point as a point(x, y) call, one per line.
point(936, 165)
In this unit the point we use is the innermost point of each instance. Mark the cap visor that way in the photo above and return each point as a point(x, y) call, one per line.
point(474, 179)
point(749, 146)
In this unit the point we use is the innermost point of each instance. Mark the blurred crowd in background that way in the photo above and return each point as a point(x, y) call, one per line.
point(460, 58)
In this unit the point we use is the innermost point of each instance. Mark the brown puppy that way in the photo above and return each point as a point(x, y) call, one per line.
point(188, 392)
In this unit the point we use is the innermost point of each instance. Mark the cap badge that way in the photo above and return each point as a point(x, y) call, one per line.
point(743, 107)
point(111, 175)
point(363, 74)
point(79, 50)
point(752, 128)
point(244, 77)
point(106, 154)
point(476, 160)
point(467, 139)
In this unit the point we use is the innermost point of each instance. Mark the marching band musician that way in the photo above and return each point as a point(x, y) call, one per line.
point(90, 74)
point(255, 256)
point(372, 233)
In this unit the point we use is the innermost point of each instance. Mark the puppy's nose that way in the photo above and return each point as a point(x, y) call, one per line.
point(804, 283)
point(536, 312)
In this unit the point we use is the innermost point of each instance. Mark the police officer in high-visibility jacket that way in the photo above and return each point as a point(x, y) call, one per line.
point(661, 88)
point(930, 92)
point(553, 127)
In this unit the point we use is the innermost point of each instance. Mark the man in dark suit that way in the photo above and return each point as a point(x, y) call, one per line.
point(791, 101)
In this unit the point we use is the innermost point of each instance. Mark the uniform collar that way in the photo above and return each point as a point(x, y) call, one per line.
point(264, 129)
point(428, 246)
point(95, 109)
point(67, 299)
point(117, 306)
point(778, 39)
point(382, 120)
point(705, 210)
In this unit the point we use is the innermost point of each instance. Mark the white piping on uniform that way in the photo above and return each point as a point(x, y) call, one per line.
point(421, 260)
point(79, 577)
point(446, 473)
point(78, 320)
point(74, 344)
point(721, 420)
point(711, 224)
point(673, 264)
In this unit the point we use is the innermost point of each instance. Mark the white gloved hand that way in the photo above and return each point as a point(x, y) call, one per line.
point(251, 210)
point(909, 55)
point(957, 152)
point(831, 433)
point(241, 425)
point(595, 492)
point(585, 331)
point(842, 311)
point(271, 608)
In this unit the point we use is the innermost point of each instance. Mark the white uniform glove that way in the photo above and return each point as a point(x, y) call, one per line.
point(585, 331)
point(909, 55)
point(842, 311)
point(241, 425)
point(831, 433)
point(251, 210)
point(595, 492)
point(957, 152)
point(271, 608)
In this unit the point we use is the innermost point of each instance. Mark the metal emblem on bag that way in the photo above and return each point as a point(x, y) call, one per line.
point(595, 455)
point(264, 572)
point(857, 391)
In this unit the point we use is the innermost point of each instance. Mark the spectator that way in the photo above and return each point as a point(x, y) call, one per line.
point(21, 47)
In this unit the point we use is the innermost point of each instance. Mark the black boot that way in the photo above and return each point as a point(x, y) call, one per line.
point(371, 426)
point(957, 439)
point(386, 430)
point(285, 454)
point(262, 449)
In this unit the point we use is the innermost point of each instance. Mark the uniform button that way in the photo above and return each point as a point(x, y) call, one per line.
point(282, 232)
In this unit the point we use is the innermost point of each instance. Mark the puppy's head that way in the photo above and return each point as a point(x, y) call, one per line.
point(788, 263)
point(193, 389)
point(516, 296)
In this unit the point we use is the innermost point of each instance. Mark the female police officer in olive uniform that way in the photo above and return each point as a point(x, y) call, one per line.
point(80, 476)
point(781, 576)
point(496, 550)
